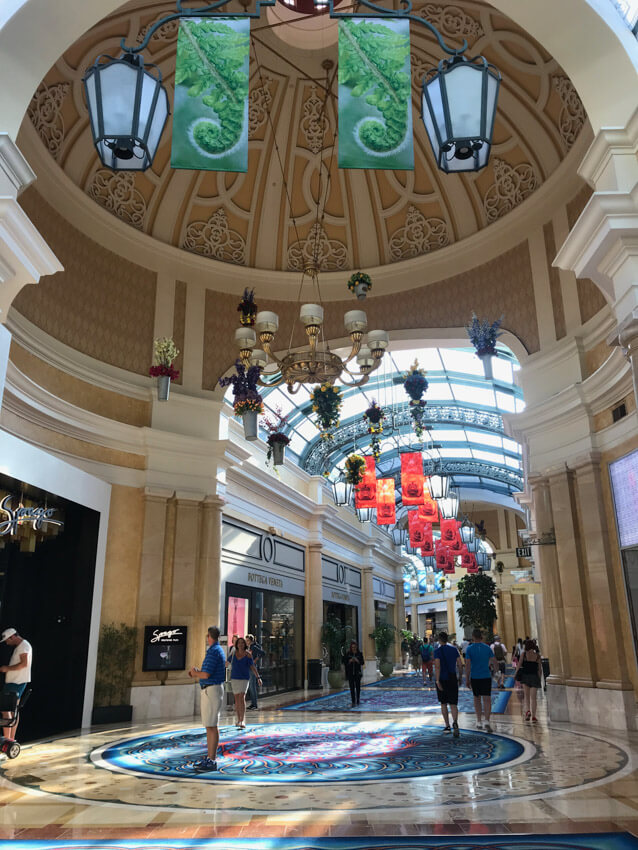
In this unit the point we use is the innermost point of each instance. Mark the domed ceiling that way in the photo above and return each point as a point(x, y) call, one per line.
point(371, 217)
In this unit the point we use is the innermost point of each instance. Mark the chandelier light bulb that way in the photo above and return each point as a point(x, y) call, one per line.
point(259, 358)
point(245, 338)
point(266, 322)
point(378, 342)
point(311, 314)
point(355, 321)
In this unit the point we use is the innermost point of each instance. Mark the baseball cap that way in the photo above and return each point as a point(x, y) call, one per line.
point(7, 633)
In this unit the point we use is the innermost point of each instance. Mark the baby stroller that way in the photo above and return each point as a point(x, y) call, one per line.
point(11, 704)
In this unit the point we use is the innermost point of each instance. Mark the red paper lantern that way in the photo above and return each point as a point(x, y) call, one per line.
point(416, 527)
point(365, 493)
point(386, 510)
point(412, 481)
point(429, 510)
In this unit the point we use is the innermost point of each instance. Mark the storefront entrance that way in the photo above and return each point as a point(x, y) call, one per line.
point(347, 615)
point(276, 621)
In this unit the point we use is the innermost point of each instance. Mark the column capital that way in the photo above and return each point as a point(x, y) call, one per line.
point(315, 546)
point(212, 502)
point(17, 174)
point(158, 494)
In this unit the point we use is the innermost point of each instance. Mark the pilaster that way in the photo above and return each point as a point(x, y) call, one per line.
point(314, 600)
point(367, 622)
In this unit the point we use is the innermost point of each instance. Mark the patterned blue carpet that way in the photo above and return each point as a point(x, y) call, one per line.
point(413, 681)
point(396, 700)
point(586, 841)
point(312, 752)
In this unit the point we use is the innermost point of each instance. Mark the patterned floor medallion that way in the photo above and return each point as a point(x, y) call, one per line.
point(312, 752)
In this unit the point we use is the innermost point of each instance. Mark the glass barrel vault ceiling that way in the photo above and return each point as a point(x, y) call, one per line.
point(463, 413)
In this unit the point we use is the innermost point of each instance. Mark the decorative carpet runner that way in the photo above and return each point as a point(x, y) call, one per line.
point(412, 681)
point(585, 841)
point(396, 700)
point(312, 752)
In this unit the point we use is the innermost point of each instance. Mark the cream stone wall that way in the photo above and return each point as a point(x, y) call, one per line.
point(123, 552)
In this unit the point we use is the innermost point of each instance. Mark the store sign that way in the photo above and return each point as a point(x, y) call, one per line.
point(527, 588)
point(269, 581)
point(20, 516)
point(263, 579)
point(164, 648)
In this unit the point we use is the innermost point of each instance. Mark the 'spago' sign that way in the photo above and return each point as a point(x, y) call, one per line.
point(12, 518)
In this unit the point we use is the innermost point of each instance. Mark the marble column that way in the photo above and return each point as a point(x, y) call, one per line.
point(399, 618)
point(414, 617)
point(508, 631)
point(183, 581)
point(313, 602)
point(367, 625)
point(207, 575)
point(451, 619)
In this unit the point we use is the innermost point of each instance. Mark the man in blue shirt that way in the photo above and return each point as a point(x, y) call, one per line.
point(447, 667)
point(211, 681)
point(479, 665)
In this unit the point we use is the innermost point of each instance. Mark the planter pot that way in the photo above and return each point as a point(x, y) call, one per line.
point(361, 290)
point(278, 452)
point(386, 668)
point(487, 365)
point(163, 387)
point(335, 679)
point(250, 424)
point(111, 714)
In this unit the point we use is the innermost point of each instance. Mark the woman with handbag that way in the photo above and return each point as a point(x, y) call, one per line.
point(528, 673)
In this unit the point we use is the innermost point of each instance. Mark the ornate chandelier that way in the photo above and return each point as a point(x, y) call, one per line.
point(314, 363)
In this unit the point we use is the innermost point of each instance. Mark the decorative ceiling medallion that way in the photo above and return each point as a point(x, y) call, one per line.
point(420, 235)
point(213, 238)
point(317, 250)
point(116, 192)
point(510, 188)
point(259, 104)
point(167, 32)
point(451, 20)
point(314, 124)
point(572, 115)
point(45, 114)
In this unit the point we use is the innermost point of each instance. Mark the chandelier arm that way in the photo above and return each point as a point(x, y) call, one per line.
point(405, 12)
point(270, 384)
point(271, 354)
point(356, 348)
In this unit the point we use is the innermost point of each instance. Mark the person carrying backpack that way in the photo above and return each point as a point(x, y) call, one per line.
point(427, 660)
point(500, 654)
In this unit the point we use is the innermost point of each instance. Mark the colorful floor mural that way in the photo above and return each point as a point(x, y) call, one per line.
point(396, 700)
point(586, 841)
point(413, 681)
point(312, 752)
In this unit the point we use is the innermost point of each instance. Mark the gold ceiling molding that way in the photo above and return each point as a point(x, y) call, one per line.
point(315, 122)
point(510, 188)
point(45, 112)
point(116, 192)
point(418, 236)
point(452, 20)
point(317, 250)
point(572, 115)
point(214, 238)
point(259, 105)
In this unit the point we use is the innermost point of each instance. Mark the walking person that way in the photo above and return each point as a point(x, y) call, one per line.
point(211, 681)
point(405, 652)
point(529, 675)
point(427, 660)
point(415, 651)
point(448, 667)
point(257, 653)
point(17, 672)
point(500, 654)
point(241, 666)
point(479, 665)
point(353, 661)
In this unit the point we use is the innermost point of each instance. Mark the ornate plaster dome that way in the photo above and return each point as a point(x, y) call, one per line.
point(372, 218)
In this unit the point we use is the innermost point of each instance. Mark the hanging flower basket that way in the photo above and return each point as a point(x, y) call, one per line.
point(360, 283)
point(415, 385)
point(483, 336)
point(276, 439)
point(247, 308)
point(164, 353)
point(374, 416)
point(326, 403)
point(355, 468)
point(247, 403)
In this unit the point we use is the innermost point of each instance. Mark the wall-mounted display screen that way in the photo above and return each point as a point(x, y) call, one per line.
point(624, 484)
point(164, 648)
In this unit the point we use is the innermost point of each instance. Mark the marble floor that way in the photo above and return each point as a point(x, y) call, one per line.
point(560, 779)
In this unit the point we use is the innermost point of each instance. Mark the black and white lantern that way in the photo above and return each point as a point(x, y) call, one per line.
point(341, 491)
point(128, 108)
point(458, 107)
point(364, 514)
point(438, 485)
point(449, 506)
point(399, 535)
point(466, 530)
point(429, 562)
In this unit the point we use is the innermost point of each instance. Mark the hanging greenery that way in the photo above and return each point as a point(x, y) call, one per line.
point(415, 384)
point(374, 416)
point(274, 428)
point(165, 352)
point(361, 280)
point(355, 467)
point(245, 393)
point(326, 403)
point(483, 335)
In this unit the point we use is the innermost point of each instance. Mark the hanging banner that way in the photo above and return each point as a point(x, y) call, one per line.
point(444, 558)
point(429, 510)
point(416, 528)
point(210, 121)
point(457, 544)
point(449, 532)
point(412, 480)
point(365, 494)
point(468, 562)
point(427, 547)
point(386, 511)
point(375, 106)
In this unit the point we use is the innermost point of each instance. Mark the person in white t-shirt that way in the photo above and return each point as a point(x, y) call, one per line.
point(17, 671)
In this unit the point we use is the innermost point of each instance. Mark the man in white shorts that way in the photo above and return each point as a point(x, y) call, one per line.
point(17, 671)
point(211, 681)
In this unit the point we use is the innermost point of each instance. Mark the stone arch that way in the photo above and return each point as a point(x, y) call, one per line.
point(603, 67)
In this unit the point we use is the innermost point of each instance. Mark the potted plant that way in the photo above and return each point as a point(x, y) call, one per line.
point(374, 416)
point(384, 636)
point(335, 637)
point(360, 283)
point(114, 673)
point(475, 594)
point(164, 354)
point(483, 336)
point(247, 308)
point(355, 467)
point(247, 403)
point(415, 384)
point(276, 440)
point(326, 403)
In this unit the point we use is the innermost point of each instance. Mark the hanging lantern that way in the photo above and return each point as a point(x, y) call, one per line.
point(364, 514)
point(466, 530)
point(429, 562)
point(341, 491)
point(458, 108)
point(481, 559)
point(438, 485)
point(449, 506)
point(472, 545)
point(399, 536)
point(128, 108)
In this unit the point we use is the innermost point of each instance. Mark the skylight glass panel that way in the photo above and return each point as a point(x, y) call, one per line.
point(520, 405)
point(307, 429)
point(297, 443)
point(490, 457)
point(505, 402)
point(447, 435)
point(353, 405)
point(438, 391)
point(455, 453)
point(512, 462)
point(462, 361)
point(485, 439)
point(474, 395)
point(511, 445)
point(502, 370)
point(428, 358)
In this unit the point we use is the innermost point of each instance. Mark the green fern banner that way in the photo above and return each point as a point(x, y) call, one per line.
point(210, 124)
point(375, 106)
